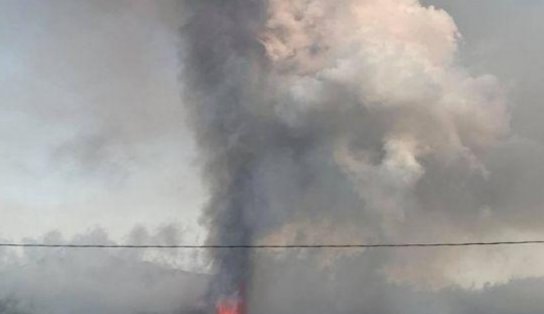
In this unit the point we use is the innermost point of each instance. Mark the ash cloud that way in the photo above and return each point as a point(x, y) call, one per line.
point(356, 121)
point(221, 60)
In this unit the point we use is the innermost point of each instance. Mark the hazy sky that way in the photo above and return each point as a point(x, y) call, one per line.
point(92, 129)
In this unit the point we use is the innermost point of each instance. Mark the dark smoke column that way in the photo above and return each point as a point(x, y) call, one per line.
point(222, 62)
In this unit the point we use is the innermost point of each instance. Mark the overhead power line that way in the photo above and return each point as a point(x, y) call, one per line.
point(271, 246)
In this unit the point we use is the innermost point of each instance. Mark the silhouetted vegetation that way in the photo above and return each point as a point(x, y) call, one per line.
point(10, 306)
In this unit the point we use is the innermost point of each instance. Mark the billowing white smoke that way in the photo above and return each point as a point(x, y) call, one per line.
point(392, 62)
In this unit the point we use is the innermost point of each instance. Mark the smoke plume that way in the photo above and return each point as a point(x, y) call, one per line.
point(352, 121)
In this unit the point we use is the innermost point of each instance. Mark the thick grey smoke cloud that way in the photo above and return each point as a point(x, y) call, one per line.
point(355, 121)
point(222, 63)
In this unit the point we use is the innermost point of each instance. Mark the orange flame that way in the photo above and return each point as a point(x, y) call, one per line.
point(230, 306)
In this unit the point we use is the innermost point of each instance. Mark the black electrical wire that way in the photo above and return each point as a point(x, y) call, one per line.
point(272, 246)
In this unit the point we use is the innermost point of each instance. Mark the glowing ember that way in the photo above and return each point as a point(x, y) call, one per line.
point(231, 306)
